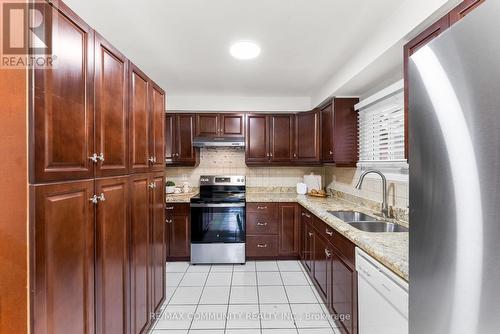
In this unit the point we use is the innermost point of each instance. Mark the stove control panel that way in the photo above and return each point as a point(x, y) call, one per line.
point(222, 180)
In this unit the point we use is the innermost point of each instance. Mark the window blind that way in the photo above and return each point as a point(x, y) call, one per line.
point(381, 130)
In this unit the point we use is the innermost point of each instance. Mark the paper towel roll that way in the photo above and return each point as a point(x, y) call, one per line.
point(301, 188)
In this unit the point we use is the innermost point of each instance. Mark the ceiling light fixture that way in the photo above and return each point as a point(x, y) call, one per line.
point(244, 50)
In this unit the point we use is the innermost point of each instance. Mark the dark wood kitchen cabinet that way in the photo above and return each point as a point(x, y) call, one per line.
point(62, 279)
point(157, 248)
point(220, 125)
point(179, 134)
point(257, 139)
point(146, 115)
point(281, 138)
point(329, 260)
point(63, 104)
point(307, 137)
point(178, 231)
point(339, 132)
point(111, 109)
point(289, 229)
point(147, 254)
point(112, 255)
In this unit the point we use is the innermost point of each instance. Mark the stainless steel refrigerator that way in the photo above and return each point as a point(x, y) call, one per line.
point(454, 136)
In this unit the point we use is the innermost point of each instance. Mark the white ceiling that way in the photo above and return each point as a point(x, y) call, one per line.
point(183, 44)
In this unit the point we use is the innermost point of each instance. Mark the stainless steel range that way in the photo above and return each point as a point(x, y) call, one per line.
point(218, 221)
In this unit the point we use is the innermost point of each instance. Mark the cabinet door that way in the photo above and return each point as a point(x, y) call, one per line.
point(232, 125)
point(63, 110)
point(207, 125)
point(157, 241)
point(169, 139)
point(322, 267)
point(288, 229)
point(463, 9)
point(63, 258)
point(281, 138)
point(185, 127)
point(307, 137)
point(344, 291)
point(327, 133)
point(308, 240)
point(345, 133)
point(157, 147)
point(257, 139)
point(139, 117)
point(112, 249)
point(139, 253)
point(180, 236)
point(111, 109)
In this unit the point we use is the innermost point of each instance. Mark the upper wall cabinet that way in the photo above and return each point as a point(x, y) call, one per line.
point(147, 108)
point(63, 104)
point(220, 125)
point(179, 135)
point(339, 132)
point(111, 109)
point(282, 139)
point(307, 137)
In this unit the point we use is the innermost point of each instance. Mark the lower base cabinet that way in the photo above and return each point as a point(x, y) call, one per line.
point(98, 260)
point(178, 231)
point(329, 260)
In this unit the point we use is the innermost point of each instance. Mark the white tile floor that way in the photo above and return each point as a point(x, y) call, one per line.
point(268, 297)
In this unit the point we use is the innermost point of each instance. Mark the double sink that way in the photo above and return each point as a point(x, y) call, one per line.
point(367, 223)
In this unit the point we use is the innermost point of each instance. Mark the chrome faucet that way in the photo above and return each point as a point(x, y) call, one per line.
point(385, 207)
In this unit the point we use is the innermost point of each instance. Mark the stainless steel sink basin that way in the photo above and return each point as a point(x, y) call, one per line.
point(352, 216)
point(378, 226)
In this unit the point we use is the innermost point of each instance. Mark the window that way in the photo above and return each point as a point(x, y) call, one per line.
point(381, 128)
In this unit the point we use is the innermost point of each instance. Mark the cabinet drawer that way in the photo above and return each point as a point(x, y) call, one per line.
point(270, 209)
point(341, 243)
point(260, 223)
point(262, 245)
point(176, 209)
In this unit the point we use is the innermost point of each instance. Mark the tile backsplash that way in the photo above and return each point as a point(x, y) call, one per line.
point(231, 161)
point(345, 179)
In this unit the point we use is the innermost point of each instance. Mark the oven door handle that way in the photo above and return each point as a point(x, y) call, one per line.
point(218, 205)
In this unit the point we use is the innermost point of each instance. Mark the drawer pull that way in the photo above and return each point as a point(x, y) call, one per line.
point(328, 253)
point(261, 245)
point(261, 224)
point(308, 215)
point(330, 233)
point(261, 207)
point(169, 207)
point(310, 234)
point(168, 221)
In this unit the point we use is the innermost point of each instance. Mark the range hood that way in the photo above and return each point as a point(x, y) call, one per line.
point(219, 142)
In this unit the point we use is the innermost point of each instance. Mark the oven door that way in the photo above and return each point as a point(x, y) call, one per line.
point(217, 223)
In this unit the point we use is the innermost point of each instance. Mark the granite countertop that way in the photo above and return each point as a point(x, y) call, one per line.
point(180, 198)
point(390, 249)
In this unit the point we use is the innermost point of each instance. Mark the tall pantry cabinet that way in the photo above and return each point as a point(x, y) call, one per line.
point(96, 188)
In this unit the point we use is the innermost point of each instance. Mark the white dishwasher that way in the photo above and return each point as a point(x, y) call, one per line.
point(382, 298)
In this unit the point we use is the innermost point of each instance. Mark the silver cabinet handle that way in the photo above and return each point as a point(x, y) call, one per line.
point(331, 152)
point(94, 199)
point(101, 157)
point(261, 207)
point(177, 155)
point(101, 197)
point(261, 245)
point(270, 154)
point(151, 159)
point(295, 155)
point(152, 185)
point(308, 215)
point(94, 157)
point(169, 208)
point(330, 233)
point(327, 253)
point(168, 221)
point(310, 234)
point(261, 224)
